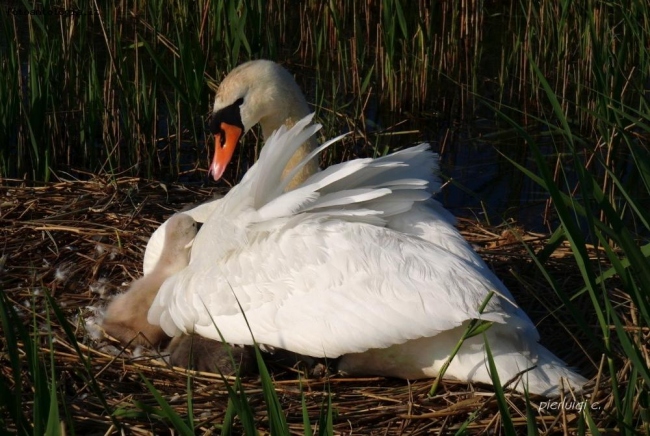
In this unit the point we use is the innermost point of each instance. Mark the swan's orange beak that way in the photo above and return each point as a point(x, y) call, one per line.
point(224, 146)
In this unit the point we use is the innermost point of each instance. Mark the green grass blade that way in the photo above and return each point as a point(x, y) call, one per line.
point(53, 426)
point(39, 381)
point(53, 419)
point(462, 429)
point(325, 420)
point(242, 408)
point(13, 330)
point(226, 425)
point(167, 412)
point(306, 421)
point(552, 243)
point(238, 404)
point(629, 348)
point(401, 20)
point(474, 327)
point(277, 419)
point(89, 372)
point(530, 416)
point(593, 427)
point(506, 419)
point(190, 403)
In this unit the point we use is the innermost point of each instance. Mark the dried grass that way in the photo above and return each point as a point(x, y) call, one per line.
point(83, 241)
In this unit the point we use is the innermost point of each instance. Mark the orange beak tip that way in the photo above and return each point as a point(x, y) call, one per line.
point(216, 169)
point(224, 149)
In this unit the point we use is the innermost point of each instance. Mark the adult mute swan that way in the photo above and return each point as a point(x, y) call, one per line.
point(355, 261)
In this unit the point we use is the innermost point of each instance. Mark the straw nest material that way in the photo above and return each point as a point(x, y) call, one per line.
point(83, 241)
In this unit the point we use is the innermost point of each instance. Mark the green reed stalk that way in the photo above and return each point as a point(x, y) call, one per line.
point(10, 96)
point(11, 387)
point(504, 408)
point(89, 74)
point(474, 327)
point(591, 212)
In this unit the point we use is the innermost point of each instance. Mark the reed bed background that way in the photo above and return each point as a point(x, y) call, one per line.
point(106, 95)
point(125, 87)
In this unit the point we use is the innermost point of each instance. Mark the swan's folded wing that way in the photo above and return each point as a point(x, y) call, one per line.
point(357, 184)
point(327, 287)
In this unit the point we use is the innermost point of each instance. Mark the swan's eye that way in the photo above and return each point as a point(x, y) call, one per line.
point(229, 115)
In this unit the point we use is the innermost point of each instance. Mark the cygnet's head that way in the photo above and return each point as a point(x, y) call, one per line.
point(179, 237)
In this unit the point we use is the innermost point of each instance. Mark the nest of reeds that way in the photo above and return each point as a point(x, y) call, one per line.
point(82, 241)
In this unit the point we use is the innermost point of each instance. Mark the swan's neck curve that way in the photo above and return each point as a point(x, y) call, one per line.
point(295, 108)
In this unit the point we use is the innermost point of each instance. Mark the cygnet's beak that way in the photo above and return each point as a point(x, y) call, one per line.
point(189, 244)
point(225, 142)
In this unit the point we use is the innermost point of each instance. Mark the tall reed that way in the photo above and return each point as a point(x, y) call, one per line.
point(594, 204)
point(122, 86)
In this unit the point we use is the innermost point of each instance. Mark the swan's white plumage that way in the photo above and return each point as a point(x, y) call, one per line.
point(354, 286)
point(358, 262)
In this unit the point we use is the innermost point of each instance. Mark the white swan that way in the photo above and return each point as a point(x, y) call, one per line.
point(357, 261)
point(126, 316)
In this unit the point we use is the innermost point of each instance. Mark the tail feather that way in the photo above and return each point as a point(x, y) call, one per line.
point(525, 363)
point(550, 376)
point(519, 359)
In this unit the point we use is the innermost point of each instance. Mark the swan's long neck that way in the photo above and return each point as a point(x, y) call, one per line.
point(295, 109)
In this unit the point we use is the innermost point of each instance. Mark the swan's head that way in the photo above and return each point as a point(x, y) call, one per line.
point(258, 91)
